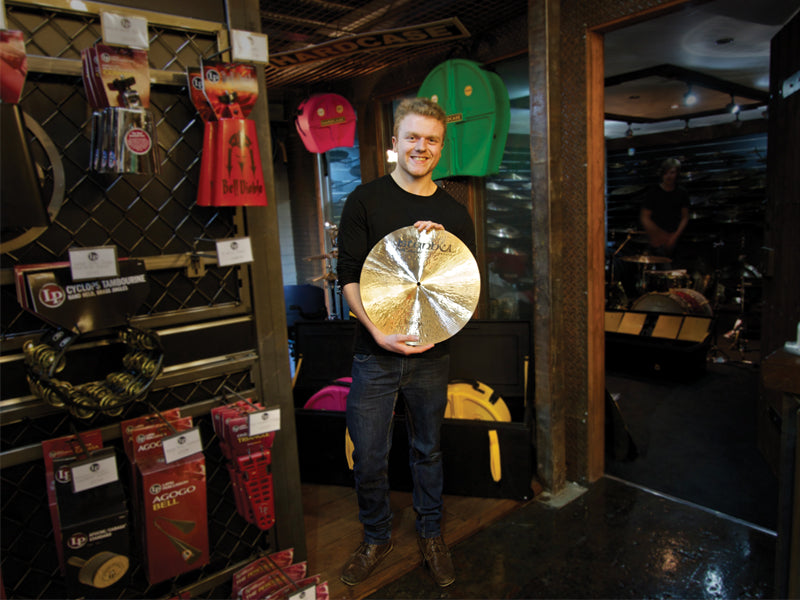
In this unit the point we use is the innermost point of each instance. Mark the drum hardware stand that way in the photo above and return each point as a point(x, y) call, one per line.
point(613, 285)
point(737, 333)
point(717, 274)
point(331, 279)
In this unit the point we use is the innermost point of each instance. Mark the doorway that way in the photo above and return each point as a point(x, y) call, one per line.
point(693, 439)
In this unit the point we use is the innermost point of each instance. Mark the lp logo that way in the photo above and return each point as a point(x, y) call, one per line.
point(52, 295)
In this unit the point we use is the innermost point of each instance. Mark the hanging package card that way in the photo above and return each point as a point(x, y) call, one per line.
point(249, 461)
point(96, 537)
point(90, 527)
point(230, 171)
point(59, 448)
point(136, 440)
point(49, 292)
point(117, 84)
point(478, 114)
point(326, 121)
point(174, 514)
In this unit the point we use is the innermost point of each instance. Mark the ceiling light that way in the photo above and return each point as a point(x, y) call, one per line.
point(689, 98)
point(732, 107)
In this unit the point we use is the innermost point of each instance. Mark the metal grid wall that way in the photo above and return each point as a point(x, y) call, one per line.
point(146, 217)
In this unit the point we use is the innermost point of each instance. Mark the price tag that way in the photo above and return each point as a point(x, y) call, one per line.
point(124, 30)
point(182, 444)
point(309, 593)
point(248, 46)
point(264, 421)
point(99, 469)
point(93, 263)
point(234, 252)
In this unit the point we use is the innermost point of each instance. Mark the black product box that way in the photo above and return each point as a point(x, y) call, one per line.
point(95, 535)
point(496, 353)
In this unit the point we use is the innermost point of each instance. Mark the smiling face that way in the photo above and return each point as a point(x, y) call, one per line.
point(418, 143)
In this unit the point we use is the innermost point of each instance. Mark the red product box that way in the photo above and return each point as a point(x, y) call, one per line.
point(131, 429)
point(147, 440)
point(174, 516)
point(260, 567)
point(295, 587)
point(231, 424)
point(274, 581)
point(151, 419)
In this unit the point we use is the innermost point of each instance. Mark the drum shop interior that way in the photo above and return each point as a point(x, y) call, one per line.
point(623, 412)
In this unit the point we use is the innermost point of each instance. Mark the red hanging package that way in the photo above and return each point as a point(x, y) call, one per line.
point(230, 169)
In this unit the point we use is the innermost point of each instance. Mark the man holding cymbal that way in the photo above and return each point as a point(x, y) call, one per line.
point(388, 364)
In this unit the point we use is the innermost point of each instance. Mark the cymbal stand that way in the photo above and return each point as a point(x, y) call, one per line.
point(737, 333)
point(331, 280)
point(614, 256)
point(717, 274)
point(614, 288)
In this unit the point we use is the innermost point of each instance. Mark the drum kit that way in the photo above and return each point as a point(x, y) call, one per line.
point(660, 289)
point(676, 291)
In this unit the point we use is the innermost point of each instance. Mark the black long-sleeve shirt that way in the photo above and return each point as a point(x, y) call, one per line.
point(376, 209)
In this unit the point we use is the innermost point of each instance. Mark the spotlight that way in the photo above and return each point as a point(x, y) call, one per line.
point(732, 107)
point(689, 98)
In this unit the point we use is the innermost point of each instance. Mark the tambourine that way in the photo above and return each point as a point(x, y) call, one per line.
point(140, 366)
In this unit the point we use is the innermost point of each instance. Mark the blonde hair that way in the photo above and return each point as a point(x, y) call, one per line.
point(669, 163)
point(424, 107)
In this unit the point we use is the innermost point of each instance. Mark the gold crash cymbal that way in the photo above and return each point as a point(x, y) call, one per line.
point(647, 259)
point(424, 284)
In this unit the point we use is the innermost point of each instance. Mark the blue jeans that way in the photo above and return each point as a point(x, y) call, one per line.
point(377, 380)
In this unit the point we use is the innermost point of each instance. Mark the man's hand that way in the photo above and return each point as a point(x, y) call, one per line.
point(397, 343)
point(424, 226)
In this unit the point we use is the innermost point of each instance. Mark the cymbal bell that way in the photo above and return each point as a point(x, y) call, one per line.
point(425, 284)
point(647, 259)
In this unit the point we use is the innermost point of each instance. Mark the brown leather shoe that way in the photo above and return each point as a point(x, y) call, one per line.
point(363, 562)
point(436, 555)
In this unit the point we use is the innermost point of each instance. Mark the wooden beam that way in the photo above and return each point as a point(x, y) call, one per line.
point(543, 35)
point(595, 245)
point(272, 372)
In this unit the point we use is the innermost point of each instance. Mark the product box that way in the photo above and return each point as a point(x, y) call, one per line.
point(174, 517)
point(141, 438)
point(57, 449)
point(95, 536)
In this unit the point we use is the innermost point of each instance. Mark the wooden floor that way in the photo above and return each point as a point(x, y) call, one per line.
point(333, 533)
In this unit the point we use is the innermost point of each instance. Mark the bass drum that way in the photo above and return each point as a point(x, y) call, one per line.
point(680, 301)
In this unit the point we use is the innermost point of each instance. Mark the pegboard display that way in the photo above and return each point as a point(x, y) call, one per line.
point(201, 310)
